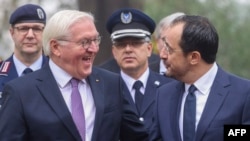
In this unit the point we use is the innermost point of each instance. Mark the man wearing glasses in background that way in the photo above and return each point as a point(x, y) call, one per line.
point(26, 27)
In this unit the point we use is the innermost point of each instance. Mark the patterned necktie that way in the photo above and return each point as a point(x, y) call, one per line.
point(27, 70)
point(138, 95)
point(189, 115)
point(77, 108)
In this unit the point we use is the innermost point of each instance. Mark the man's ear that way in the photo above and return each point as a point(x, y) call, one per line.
point(195, 57)
point(54, 47)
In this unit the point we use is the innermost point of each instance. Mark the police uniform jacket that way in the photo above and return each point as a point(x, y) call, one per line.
point(8, 72)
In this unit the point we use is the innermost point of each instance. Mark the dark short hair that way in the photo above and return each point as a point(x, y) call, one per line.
point(200, 35)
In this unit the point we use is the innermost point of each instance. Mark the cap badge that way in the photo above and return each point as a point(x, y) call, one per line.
point(126, 18)
point(40, 13)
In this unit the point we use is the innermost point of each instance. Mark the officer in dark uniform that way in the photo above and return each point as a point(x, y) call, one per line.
point(131, 32)
point(27, 24)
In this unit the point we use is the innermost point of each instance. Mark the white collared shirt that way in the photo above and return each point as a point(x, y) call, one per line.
point(203, 85)
point(20, 67)
point(63, 81)
point(130, 82)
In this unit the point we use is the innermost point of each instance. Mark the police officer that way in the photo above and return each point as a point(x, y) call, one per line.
point(26, 26)
point(131, 31)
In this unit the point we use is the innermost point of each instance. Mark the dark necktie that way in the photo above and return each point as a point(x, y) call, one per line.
point(77, 108)
point(27, 70)
point(138, 95)
point(189, 115)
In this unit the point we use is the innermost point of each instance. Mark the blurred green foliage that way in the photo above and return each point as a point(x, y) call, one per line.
point(229, 17)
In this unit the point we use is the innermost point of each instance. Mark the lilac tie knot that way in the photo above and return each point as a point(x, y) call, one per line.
point(74, 82)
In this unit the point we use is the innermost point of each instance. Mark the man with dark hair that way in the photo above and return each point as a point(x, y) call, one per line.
point(206, 97)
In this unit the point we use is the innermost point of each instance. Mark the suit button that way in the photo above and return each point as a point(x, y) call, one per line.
point(141, 119)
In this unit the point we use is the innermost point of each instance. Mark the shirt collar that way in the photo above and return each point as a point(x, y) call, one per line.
point(204, 83)
point(61, 76)
point(130, 81)
point(20, 67)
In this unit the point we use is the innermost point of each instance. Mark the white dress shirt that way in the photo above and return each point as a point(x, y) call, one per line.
point(63, 81)
point(203, 85)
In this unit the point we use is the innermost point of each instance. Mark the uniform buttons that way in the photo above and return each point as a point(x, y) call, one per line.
point(141, 119)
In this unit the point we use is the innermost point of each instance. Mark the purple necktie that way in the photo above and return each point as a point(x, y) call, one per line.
point(77, 108)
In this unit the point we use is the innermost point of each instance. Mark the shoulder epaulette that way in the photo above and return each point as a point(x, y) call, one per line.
point(4, 68)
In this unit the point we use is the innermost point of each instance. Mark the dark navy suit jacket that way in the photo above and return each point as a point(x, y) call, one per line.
point(134, 129)
point(227, 103)
point(34, 108)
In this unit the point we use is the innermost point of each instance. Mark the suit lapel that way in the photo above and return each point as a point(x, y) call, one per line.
point(49, 90)
point(218, 92)
point(149, 97)
point(97, 87)
point(175, 102)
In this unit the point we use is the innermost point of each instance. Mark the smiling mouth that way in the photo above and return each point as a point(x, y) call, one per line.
point(86, 58)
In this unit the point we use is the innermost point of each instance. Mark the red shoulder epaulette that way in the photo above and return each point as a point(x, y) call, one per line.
point(4, 68)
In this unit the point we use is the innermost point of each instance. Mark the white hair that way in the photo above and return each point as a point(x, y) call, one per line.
point(165, 22)
point(59, 24)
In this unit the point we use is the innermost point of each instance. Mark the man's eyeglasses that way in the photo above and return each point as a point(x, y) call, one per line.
point(168, 49)
point(133, 44)
point(86, 43)
point(25, 29)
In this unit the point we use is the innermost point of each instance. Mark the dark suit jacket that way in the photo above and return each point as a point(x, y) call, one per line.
point(34, 109)
point(11, 71)
point(112, 65)
point(227, 103)
point(132, 128)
